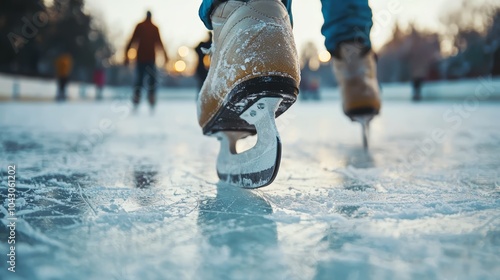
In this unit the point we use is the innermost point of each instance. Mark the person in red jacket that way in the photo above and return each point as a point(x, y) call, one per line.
point(99, 81)
point(147, 39)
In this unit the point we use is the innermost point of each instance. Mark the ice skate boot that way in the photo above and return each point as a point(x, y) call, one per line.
point(253, 78)
point(356, 71)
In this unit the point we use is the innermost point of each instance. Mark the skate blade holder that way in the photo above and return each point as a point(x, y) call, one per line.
point(258, 166)
point(364, 120)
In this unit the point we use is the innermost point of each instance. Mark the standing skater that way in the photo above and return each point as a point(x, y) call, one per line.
point(420, 55)
point(64, 65)
point(201, 69)
point(99, 81)
point(147, 37)
point(254, 77)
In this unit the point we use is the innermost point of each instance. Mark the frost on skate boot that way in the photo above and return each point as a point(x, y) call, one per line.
point(253, 78)
point(356, 72)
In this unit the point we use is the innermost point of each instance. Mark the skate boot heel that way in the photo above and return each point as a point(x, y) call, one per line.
point(258, 166)
point(247, 93)
point(249, 109)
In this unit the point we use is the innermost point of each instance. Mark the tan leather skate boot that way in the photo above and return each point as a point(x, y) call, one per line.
point(356, 73)
point(253, 78)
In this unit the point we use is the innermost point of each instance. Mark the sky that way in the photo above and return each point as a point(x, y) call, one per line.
point(179, 23)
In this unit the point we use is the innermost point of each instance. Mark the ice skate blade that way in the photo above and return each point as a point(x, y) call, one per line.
point(258, 166)
point(364, 120)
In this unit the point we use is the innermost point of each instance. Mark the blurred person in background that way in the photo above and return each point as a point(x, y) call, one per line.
point(201, 68)
point(147, 39)
point(495, 71)
point(99, 81)
point(64, 66)
point(421, 53)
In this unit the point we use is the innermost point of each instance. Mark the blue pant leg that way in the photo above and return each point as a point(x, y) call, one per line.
point(139, 72)
point(139, 78)
point(207, 6)
point(151, 77)
point(346, 20)
point(205, 11)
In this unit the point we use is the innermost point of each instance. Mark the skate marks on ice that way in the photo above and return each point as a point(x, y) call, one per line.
point(363, 233)
point(431, 248)
point(73, 228)
point(359, 215)
point(120, 207)
point(148, 205)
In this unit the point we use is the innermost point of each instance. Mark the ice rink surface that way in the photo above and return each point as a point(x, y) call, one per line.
point(107, 194)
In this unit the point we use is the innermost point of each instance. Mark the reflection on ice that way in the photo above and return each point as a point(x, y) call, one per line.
point(238, 230)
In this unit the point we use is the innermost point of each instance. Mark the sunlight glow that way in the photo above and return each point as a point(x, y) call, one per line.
point(206, 61)
point(132, 54)
point(180, 66)
point(314, 64)
point(324, 56)
point(183, 51)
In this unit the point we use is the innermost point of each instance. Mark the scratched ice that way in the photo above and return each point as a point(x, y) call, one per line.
point(111, 195)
